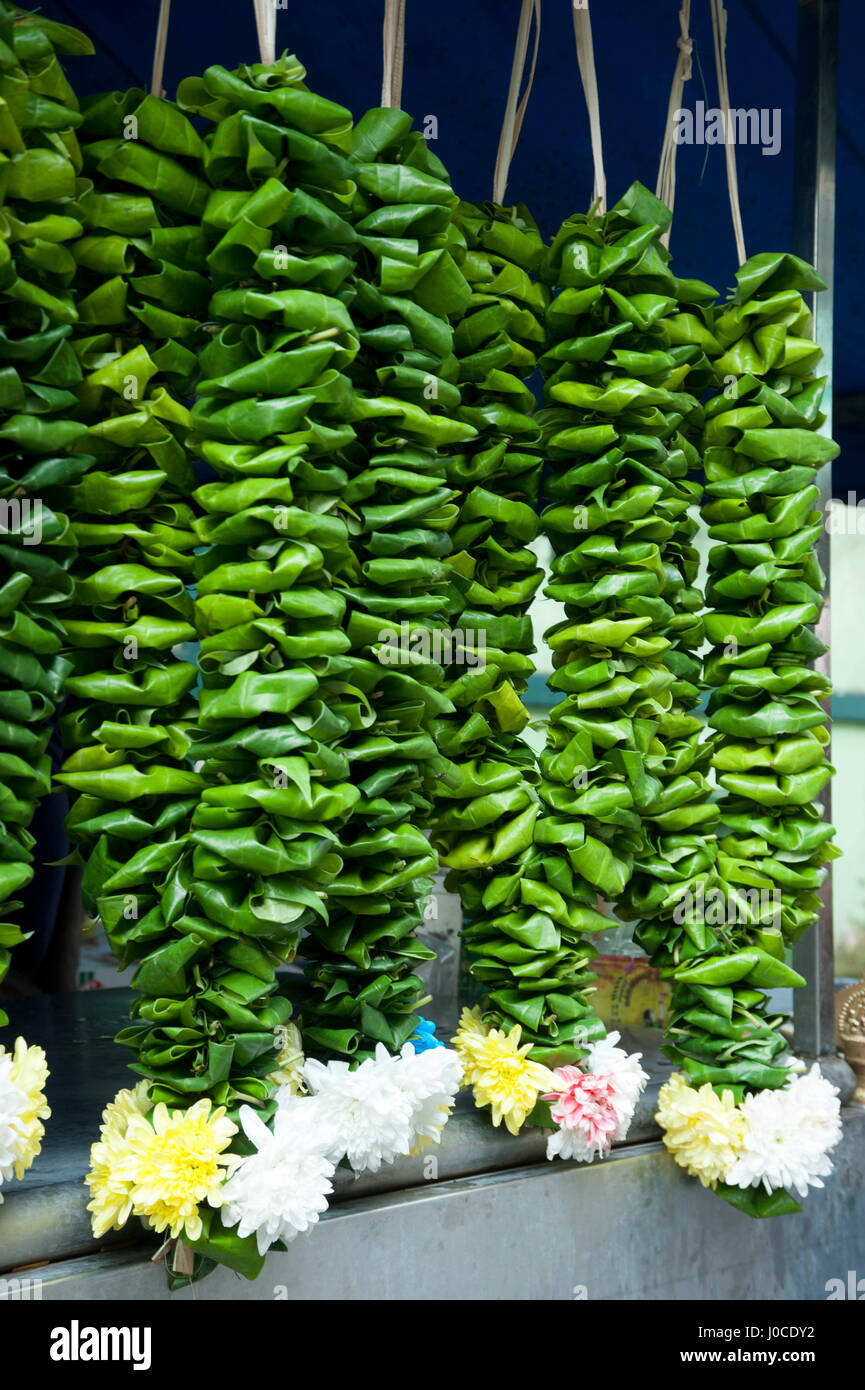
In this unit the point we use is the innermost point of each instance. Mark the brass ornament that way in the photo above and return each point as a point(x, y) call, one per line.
point(850, 1030)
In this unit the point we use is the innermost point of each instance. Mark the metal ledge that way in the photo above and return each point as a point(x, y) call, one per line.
point(45, 1218)
point(632, 1227)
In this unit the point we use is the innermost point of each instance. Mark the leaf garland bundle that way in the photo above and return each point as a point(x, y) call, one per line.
point(142, 285)
point(495, 574)
point(525, 908)
point(271, 416)
point(761, 455)
point(256, 847)
point(721, 1036)
point(360, 985)
point(623, 773)
point(284, 708)
point(39, 434)
point(372, 475)
point(519, 925)
point(765, 592)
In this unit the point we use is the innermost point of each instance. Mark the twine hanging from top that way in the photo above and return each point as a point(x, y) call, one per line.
point(666, 186)
point(393, 48)
point(586, 60)
point(514, 113)
point(265, 23)
point(719, 33)
point(156, 86)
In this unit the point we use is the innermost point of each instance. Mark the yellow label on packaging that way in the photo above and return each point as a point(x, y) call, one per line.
point(629, 992)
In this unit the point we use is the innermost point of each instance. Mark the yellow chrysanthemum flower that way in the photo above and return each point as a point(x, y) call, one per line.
point(703, 1132)
point(115, 1116)
point(177, 1161)
point(504, 1079)
point(109, 1180)
point(110, 1184)
point(289, 1063)
point(471, 1035)
point(28, 1073)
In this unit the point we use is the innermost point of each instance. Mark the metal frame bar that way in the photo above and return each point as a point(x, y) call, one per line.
point(814, 241)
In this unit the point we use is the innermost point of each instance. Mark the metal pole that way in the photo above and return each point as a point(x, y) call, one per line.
point(814, 241)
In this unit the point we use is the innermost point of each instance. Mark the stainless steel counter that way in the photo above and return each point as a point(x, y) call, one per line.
point(495, 1219)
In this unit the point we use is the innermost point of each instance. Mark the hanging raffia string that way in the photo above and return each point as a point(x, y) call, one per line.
point(393, 45)
point(719, 33)
point(586, 60)
point(265, 23)
point(666, 186)
point(514, 113)
point(156, 86)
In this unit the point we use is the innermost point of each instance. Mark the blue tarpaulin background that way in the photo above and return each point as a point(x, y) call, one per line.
point(457, 68)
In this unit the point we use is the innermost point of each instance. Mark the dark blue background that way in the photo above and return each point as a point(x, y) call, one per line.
point(458, 58)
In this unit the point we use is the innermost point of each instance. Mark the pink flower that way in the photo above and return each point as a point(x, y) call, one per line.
point(584, 1103)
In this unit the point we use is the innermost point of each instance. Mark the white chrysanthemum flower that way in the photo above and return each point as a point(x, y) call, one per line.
point(788, 1135)
point(605, 1058)
point(431, 1080)
point(819, 1107)
point(574, 1143)
point(281, 1189)
point(23, 1073)
point(367, 1113)
point(13, 1102)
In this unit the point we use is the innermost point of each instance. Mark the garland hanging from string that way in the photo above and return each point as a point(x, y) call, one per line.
point(366, 471)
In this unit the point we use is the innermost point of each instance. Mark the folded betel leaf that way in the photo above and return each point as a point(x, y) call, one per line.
point(42, 444)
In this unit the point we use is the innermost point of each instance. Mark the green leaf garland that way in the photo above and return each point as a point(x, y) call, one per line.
point(271, 419)
point(522, 923)
point(143, 290)
point(39, 165)
point(623, 773)
point(765, 592)
point(360, 983)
